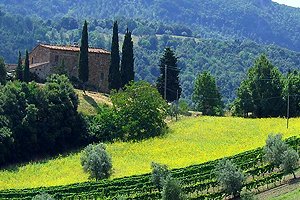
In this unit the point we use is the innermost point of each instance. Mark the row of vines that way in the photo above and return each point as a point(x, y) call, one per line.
point(198, 181)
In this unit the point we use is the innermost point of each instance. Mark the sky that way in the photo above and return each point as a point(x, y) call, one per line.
point(294, 3)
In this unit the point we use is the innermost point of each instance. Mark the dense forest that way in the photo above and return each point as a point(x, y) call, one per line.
point(207, 36)
point(259, 20)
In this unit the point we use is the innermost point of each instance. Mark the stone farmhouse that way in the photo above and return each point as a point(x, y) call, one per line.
point(44, 58)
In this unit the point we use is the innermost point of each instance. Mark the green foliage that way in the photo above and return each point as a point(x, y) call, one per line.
point(141, 111)
point(183, 108)
point(40, 120)
point(43, 196)
point(19, 69)
point(290, 161)
point(3, 73)
point(292, 88)
point(230, 177)
point(171, 88)
point(261, 92)
point(172, 190)
point(96, 161)
point(206, 96)
point(274, 149)
point(26, 72)
point(83, 66)
point(159, 174)
point(127, 63)
point(105, 126)
point(114, 76)
point(247, 195)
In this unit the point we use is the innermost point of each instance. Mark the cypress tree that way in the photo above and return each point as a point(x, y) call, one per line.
point(19, 70)
point(127, 63)
point(114, 77)
point(2, 72)
point(83, 70)
point(26, 75)
point(169, 63)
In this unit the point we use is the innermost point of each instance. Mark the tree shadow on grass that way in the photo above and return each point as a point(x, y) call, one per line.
point(91, 101)
point(15, 167)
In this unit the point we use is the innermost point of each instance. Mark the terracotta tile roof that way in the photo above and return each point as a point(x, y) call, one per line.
point(74, 48)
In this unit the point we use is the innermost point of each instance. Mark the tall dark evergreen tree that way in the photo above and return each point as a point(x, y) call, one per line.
point(2, 72)
point(114, 77)
point(83, 66)
point(19, 69)
point(26, 75)
point(168, 63)
point(127, 63)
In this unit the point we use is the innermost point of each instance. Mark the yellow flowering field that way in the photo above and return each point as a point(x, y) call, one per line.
point(188, 141)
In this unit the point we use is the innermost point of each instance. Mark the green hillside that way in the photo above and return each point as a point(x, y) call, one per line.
point(259, 20)
point(189, 141)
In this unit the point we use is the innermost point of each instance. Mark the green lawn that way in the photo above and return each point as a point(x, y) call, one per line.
point(189, 141)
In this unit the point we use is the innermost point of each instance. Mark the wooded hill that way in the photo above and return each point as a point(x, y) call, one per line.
point(211, 35)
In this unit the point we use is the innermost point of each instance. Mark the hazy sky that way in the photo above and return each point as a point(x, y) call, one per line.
point(294, 3)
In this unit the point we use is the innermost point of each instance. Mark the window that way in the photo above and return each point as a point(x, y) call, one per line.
point(56, 58)
point(101, 76)
point(32, 60)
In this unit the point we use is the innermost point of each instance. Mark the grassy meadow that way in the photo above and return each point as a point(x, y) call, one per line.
point(188, 141)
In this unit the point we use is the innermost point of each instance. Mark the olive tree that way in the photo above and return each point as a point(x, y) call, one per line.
point(159, 174)
point(230, 177)
point(43, 196)
point(290, 161)
point(274, 148)
point(96, 161)
point(172, 190)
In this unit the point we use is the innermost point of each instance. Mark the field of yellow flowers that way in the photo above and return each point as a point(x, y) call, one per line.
point(188, 141)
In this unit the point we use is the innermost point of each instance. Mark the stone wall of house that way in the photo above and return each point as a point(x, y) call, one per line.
point(98, 65)
point(42, 70)
point(39, 55)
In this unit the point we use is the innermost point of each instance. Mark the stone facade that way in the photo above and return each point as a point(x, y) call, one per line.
point(44, 58)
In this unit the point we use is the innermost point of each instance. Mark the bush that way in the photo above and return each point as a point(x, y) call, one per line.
point(141, 111)
point(43, 196)
point(159, 174)
point(229, 177)
point(273, 151)
point(104, 126)
point(290, 161)
point(247, 195)
point(96, 161)
point(172, 190)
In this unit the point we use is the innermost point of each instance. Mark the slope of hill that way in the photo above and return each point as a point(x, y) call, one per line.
point(89, 103)
point(189, 141)
point(259, 20)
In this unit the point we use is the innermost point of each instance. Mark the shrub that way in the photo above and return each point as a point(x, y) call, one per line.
point(96, 161)
point(290, 161)
point(229, 177)
point(247, 195)
point(43, 196)
point(141, 111)
point(104, 126)
point(159, 174)
point(172, 190)
point(273, 151)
